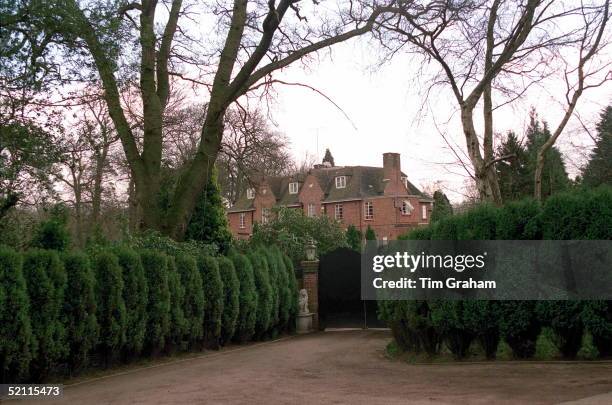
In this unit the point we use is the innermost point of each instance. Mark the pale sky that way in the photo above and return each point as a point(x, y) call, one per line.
point(384, 104)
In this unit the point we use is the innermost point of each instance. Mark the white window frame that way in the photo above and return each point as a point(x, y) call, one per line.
point(407, 210)
point(265, 215)
point(424, 211)
point(338, 212)
point(250, 193)
point(311, 210)
point(242, 220)
point(368, 210)
point(294, 187)
point(340, 181)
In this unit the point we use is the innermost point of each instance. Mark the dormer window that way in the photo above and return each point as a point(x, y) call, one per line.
point(250, 193)
point(340, 181)
point(293, 188)
point(407, 208)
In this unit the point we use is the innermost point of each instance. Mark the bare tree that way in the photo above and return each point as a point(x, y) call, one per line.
point(586, 74)
point(482, 48)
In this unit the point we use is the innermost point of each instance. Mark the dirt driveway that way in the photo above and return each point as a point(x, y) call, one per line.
point(342, 368)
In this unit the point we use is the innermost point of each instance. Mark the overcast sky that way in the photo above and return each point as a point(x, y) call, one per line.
point(383, 105)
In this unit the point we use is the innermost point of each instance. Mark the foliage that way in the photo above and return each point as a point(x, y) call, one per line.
point(286, 293)
point(231, 298)
point(291, 230)
point(598, 169)
point(193, 306)
point(213, 300)
point(545, 346)
point(370, 234)
point(154, 240)
point(442, 207)
point(274, 273)
point(519, 326)
point(16, 336)
point(293, 290)
point(587, 351)
point(264, 293)
point(111, 311)
point(353, 238)
point(208, 223)
point(46, 281)
point(80, 310)
point(597, 318)
point(245, 324)
point(449, 320)
point(178, 323)
point(565, 320)
point(135, 296)
point(512, 172)
point(52, 233)
point(158, 306)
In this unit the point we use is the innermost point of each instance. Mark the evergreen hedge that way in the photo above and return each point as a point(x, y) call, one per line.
point(231, 298)
point(178, 323)
point(247, 315)
point(158, 304)
point(80, 310)
point(193, 302)
point(213, 300)
point(264, 293)
point(421, 325)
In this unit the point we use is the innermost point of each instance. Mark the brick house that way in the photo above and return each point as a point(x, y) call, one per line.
point(379, 197)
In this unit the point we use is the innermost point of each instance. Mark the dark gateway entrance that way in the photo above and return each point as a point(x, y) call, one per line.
point(340, 304)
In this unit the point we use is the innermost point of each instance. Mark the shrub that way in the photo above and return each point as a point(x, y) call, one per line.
point(135, 295)
point(565, 320)
point(285, 298)
point(276, 284)
point(412, 325)
point(193, 307)
point(213, 300)
point(478, 223)
point(111, 312)
point(80, 310)
point(587, 351)
point(519, 326)
point(445, 229)
point(370, 234)
point(449, 319)
point(353, 238)
point(264, 293)
point(545, 346)
point(51, 234)
point(519, 220)
point(597, 318)
point(293, 291)
point(178, 324)
point(231, 298)
point(16, 339)
point(46, 284)
point(245, 324)
point(481, 317)
point(158, 304)
point(564, 217)
point(421, 233)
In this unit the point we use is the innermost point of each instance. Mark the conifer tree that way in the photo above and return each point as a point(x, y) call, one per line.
point(599, 168)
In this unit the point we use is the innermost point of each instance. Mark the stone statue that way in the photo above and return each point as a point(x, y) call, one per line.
point(303, 302)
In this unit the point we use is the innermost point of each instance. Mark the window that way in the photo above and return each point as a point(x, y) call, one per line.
point(250, 193)
point(293, 188)
point(424, 211)
point(311, 210)
point(407, 208)
point(338, 211)
point(265, 215)
point(368, 210)
point(341, 182)
point(242, 225)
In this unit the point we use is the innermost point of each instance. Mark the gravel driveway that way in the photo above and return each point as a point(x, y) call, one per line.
point(341, 368)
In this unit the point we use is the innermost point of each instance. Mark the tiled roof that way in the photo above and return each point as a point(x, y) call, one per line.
point(361, 182)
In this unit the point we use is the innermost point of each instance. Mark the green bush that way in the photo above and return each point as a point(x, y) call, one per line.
point(482, 318)
point(545, 346)
point(213, 300)
point(565, 320)
point(478, 223)
point(285, 293)
point(51, 234)
point(275, 283)
point(353, 238)
point(80, 310)
point(16, 338)
point(587, 351)
point(111, 311)
point(519, 326)
point(420, 233)
point(449, 319)
point(519, 220)
point(158, 304)
point(178, 323)
point(135, 295)
point(293, 292)
point(46, 283)
point(193, 307)
point(597, 318)
point(264, 293)
point(445, 229)
point(231, 298)
point(245, 324)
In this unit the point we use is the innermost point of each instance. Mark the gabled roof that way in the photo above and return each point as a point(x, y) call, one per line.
point(361, 182)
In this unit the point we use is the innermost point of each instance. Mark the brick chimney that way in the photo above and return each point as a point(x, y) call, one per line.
point(392, 173)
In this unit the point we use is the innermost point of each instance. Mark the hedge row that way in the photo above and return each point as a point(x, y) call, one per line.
point(572, 328)
point(61, 314)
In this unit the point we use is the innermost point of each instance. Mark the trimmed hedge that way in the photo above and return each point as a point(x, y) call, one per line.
point(46, 281)
point(580, 328)
point(265, 295)
point(16, 338)
point(247, 299)
point(213, 300)
point(94, 309)
point(231, 298)
point(80, 310)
